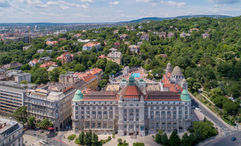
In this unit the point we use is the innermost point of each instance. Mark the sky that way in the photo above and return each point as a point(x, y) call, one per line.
point(81, 11)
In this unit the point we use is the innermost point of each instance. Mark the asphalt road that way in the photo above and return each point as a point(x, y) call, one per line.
point(226, 140)
point(211, 116)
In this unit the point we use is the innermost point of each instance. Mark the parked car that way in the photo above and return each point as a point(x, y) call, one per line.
point(233, 138)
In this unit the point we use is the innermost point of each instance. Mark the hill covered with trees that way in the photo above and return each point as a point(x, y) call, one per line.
point(207, 49)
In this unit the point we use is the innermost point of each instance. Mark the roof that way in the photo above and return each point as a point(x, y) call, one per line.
point(177, 71)
point(78, 96)
point(131, 91)
point(100, 96)
point(91, 44)
point(162, 96)
point(185, 95)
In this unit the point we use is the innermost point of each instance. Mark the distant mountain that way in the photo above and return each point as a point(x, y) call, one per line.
point(178, 17)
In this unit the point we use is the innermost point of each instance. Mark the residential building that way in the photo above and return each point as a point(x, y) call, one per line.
point(205, 35)
point(88, 46)
point(12, 96)
point(66, 58)
point(40, 51)
point(26, 47)
point(144, 37)
point(51, 101)
point(13, 65)
point(135, 106)
point(123, 36)
point(134, 48)
point(48, 64)
point(51, 43)
point(184, 35)
point(162, 34)
point(115, 56)
point(15, 75)
point(170, 35)
point(11, 133)
point(81, 80)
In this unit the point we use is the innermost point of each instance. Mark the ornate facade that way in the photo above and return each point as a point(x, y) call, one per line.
point(136, 108)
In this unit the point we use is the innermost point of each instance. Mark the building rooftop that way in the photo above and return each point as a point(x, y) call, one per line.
point(7, 127)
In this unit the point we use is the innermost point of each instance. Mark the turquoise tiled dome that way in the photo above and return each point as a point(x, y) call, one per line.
point(185, 96)
point(78, 96)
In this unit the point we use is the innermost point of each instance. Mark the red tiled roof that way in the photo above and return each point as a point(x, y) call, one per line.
point(131, 91)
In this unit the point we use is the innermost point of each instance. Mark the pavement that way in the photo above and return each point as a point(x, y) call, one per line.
point(147, 140)
point(226, 140)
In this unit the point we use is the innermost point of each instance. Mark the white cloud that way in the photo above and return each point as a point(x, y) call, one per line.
point(173, 3)
point(145, 1)
point(88, 1)
point(225, 1)
point(114, 3)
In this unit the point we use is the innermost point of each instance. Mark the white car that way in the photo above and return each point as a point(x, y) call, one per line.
point(198, 109)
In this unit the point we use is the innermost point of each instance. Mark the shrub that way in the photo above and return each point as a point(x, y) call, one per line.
point(138, 144)
point(71, 137)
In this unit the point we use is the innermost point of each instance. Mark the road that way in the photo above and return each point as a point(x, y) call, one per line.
point(226, 140)
point(210, 115)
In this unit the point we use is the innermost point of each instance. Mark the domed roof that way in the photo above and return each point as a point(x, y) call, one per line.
point(177, 71)
point(185, 96)
point(78, 96)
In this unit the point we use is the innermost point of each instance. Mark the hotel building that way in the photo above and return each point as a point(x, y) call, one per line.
point(135, 106)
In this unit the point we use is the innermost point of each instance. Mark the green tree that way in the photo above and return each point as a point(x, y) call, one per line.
point(40, 75)
point(81, 138)
point(87, 138)
point(186, 140)
point(79, 68)
point(20, 114)
point(174, 139)
point(44, 124)
point(54, 74)
point(94, 139)
point(102, 83)
point(31, 122)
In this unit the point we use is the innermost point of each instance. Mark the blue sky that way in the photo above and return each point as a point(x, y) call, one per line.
point(109, 10)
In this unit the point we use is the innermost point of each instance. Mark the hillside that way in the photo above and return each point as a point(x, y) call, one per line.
point(208, 51)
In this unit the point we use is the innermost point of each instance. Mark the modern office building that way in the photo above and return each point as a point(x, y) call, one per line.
point(11, 133)
point(12, 96)
point(51, 101)
point(138, 106)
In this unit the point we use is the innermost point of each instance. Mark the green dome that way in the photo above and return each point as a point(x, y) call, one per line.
point(78, 96)
point(185, 96)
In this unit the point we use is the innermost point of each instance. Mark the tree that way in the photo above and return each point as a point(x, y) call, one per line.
point(54, 75)
point(40, 75)
point(25, 67)
point(174, 139)
point(230, 107)
point(44, 124)
point(94, 139)
point(79, 68)
point(102, 83)
point(101, 63)
point(81, 138)
point(24, 82)
point(31, 122)
point(186, 140)
point(20, 114)
point(87, 138)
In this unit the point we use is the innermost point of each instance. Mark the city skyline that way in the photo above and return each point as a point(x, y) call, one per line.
point(92, 11)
